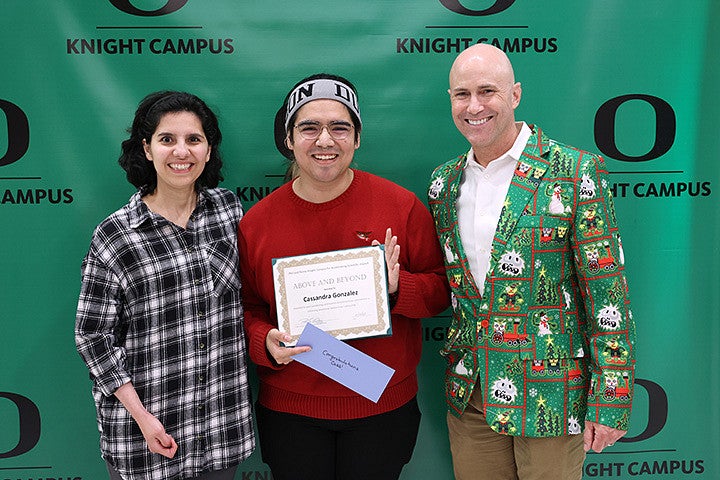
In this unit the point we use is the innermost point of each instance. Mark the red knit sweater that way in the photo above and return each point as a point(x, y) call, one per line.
point(283, 224)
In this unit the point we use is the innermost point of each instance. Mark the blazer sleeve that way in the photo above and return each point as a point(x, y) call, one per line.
point(609, 327)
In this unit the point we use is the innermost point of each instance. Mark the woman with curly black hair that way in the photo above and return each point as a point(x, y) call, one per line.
point(159, 319)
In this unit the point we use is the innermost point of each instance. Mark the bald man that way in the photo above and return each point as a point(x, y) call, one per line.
point(540, 351)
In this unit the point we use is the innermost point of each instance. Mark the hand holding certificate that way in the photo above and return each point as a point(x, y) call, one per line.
point(342, 292)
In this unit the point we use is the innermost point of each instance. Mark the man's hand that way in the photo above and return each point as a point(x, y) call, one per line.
point(597, 436)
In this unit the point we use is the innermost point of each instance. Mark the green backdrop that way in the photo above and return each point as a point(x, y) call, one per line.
point(636, 81)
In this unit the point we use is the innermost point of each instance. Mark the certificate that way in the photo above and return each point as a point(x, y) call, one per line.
point(343, 293)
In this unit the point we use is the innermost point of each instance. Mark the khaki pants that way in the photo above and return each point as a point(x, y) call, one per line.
point(479, 453)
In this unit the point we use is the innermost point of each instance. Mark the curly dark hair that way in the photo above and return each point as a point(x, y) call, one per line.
point(281, 133)
point(140, 172)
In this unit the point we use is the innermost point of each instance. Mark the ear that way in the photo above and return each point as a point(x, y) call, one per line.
point(357, 142)
point(146, 147)
point(207, 158)
point(288, 143)
point(516, 94)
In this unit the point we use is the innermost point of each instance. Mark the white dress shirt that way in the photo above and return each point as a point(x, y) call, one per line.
point(480, 201)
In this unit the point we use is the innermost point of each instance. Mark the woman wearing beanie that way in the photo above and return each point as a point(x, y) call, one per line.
point(311, 427)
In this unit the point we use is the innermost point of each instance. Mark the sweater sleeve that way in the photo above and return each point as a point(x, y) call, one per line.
point(256, 311)
point(423, 289)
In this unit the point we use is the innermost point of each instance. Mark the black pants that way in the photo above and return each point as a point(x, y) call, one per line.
point(304, 448)
point(227, 474)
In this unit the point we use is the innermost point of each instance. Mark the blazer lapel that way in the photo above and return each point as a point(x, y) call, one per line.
point(530, 169)
point(452, 243)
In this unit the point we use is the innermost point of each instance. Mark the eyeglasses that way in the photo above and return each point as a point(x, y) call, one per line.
point(312, 130)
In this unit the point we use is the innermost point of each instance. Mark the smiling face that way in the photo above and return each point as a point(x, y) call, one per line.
point(323, 162)
point(178, 150)
point(483, 97)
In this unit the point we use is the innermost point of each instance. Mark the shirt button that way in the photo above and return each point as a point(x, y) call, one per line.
point(197, 281)
point(202, 346)
point(201, 378)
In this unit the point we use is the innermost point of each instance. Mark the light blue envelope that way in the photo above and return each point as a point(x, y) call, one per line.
point(346, 365)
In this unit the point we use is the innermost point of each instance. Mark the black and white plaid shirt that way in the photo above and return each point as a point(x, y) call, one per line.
point(160, 306)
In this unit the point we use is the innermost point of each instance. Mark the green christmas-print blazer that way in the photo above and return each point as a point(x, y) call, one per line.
point(550, 340)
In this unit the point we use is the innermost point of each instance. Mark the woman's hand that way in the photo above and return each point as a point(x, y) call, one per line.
point(392, 257)
point(158, 440)
point(282, 355)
